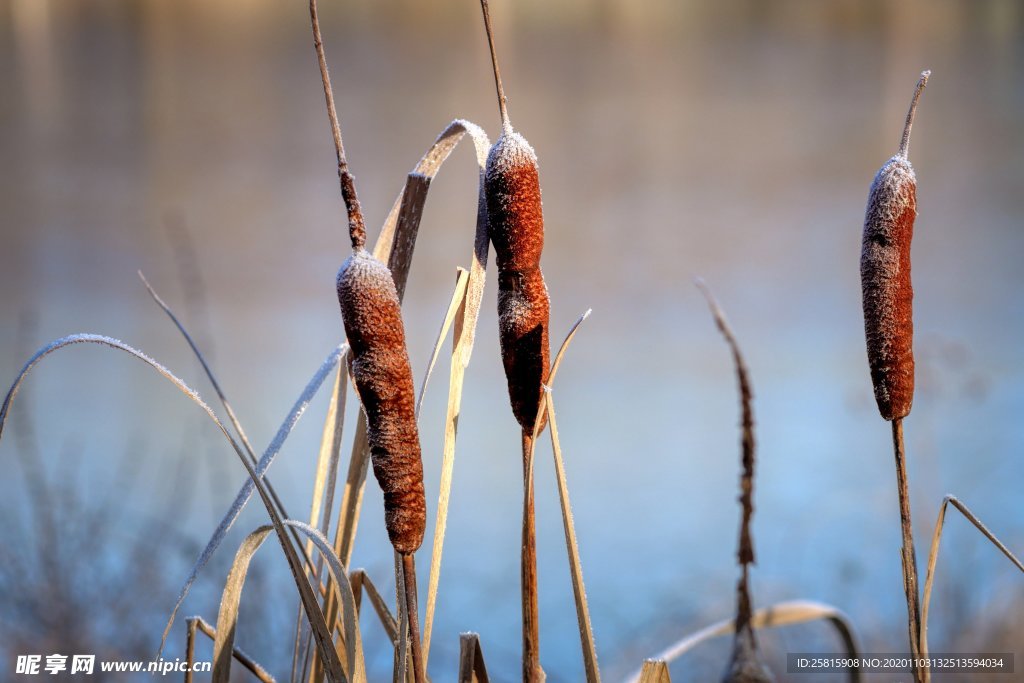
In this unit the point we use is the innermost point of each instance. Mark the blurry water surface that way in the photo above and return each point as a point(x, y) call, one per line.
point(734, 140)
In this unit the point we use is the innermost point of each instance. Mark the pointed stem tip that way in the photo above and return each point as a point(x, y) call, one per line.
point(905, 141)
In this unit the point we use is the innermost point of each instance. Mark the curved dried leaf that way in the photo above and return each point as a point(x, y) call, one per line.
point(227, 617)
point(313, 612)
point(245, 493)
point(781, 614)
point(933, 556)
point(199, 624)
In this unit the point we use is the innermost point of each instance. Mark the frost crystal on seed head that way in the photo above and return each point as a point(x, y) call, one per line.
point(510, 151)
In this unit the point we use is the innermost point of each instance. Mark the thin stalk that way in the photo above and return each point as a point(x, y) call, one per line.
point(502, 102)
point(190, 648)
point(905, 140)
point(528, 571)
point(356, 226)
point(908, 556)
point(409, 571)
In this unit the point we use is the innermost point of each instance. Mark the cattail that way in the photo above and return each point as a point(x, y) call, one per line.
point(372, 315)
point(383, 377)
point(516, 228)
point(516, 218)
point(889, 329)
point(885, 277)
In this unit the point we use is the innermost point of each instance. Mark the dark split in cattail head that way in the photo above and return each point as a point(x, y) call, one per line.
point(885, 276)
point(383, 377)
point(516, 218)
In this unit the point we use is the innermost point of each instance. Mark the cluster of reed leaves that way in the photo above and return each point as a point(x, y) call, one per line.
point(331, 600)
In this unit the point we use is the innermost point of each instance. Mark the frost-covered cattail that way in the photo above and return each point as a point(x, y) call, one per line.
point(885, 277)
point(517, 232)
point(516, 220)
point(380, 367)
point(372, 314)
point(889, 329)
point(516, 229)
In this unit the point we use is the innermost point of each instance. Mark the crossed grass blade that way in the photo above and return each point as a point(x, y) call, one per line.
point(199, 625)
point(933, 556)
point(313, 612)
point(227, 618)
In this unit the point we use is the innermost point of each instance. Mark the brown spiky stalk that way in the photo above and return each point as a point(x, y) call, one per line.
point(889, 330)
point(745, 666)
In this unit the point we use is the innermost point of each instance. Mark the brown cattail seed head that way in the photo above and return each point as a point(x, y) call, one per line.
point(383, 376)
point(886, 288)
point(517, 232)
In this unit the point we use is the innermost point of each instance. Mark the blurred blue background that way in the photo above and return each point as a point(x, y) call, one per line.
point(735, 140)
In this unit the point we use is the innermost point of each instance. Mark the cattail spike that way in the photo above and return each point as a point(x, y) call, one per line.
point(380, 368)
point(502, 102)
point(905, 140)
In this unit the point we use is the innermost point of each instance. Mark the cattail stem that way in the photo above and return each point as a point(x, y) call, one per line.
point(356, 226)
point(411, 607)
point(532, 672)
point(502, 103)
point(905, 140)
point(908, 556)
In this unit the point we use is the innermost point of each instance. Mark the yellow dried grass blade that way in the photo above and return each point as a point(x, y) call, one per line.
point(579, 590)
point(544, 397)
point(471, 660)
point(227, 617)
point(198, 624)
point(933, 556)
point(454, 306)
point(781, 614)
point(655, 671)
point(457, 373)
point(360, 580)
point(323, 488)
point(245, 493)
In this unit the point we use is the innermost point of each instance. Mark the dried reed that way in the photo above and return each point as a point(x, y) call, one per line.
point(745, 665)
point(381, 371)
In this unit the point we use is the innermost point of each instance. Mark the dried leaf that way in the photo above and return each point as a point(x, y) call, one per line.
point(781, 614)
point(933, 556)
